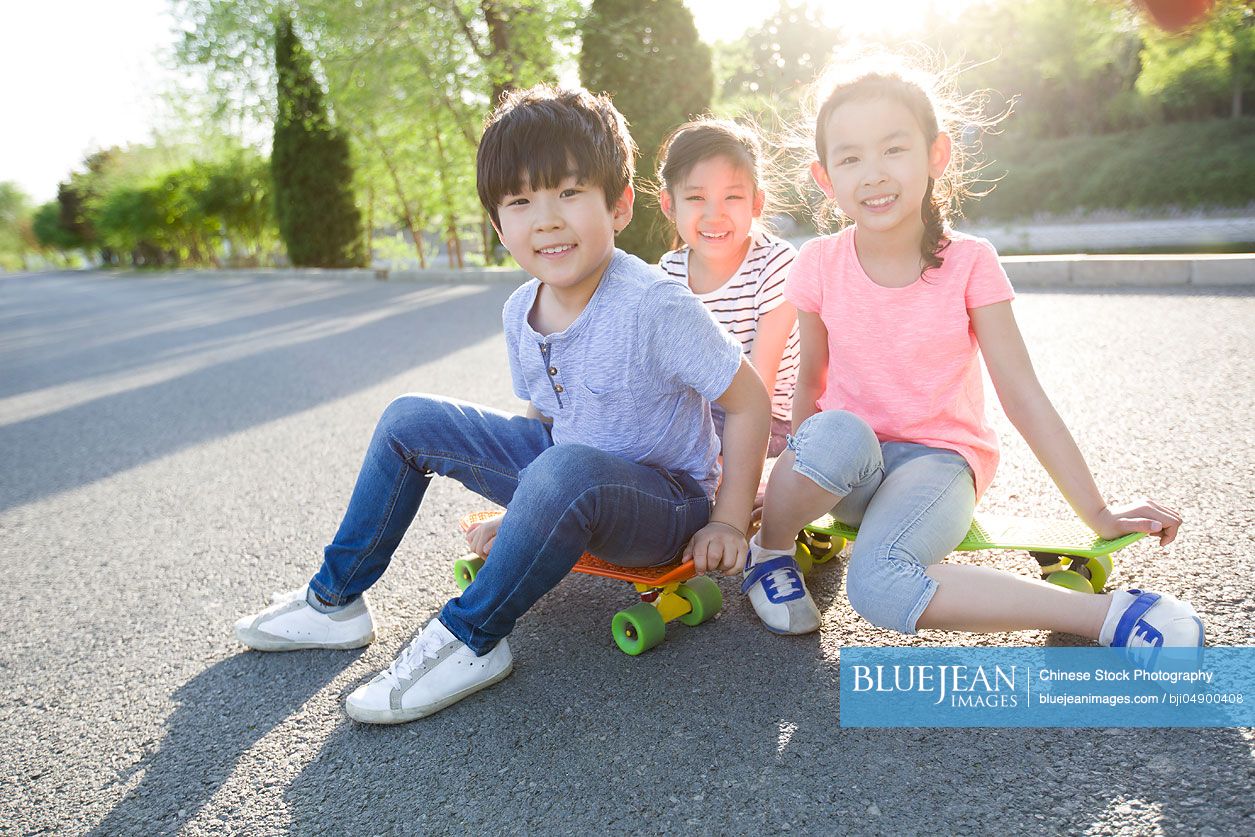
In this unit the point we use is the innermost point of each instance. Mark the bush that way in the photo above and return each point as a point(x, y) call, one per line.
point(1185, 166)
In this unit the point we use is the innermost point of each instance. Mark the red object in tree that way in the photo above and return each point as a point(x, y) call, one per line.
point(1175, 15)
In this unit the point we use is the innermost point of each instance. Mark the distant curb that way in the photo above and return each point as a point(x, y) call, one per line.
point(1147, 271)
point(1225, 270)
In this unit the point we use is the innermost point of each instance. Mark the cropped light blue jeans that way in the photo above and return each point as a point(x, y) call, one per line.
point(912, 505)
point(560, 501)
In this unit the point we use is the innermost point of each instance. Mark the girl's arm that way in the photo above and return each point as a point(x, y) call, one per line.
point(774, 328)
point(721, 544)
point(812, 373)
point(1028, 408)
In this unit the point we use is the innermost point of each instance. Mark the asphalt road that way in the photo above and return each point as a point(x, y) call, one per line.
point(173, 449)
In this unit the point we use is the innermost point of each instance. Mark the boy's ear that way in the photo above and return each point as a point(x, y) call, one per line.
point(622, 210)
point(939, 155)
point(664, 203)
point(760, 198)
point(820, 175)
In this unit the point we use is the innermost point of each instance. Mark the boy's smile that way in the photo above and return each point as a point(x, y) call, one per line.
point(563, 235)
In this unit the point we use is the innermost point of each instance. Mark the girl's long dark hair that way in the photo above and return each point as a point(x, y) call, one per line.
point(934, 101)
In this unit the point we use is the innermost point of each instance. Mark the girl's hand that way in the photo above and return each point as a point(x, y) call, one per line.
point(717, 546)
point(481, 536)
point(1146, 516)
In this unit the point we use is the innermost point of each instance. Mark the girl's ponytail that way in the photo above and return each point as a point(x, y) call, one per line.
point(935, 238)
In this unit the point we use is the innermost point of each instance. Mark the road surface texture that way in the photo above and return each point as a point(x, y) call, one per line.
point(174, 449)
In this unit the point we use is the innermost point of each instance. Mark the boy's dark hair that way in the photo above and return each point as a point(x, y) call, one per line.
point(541, 135)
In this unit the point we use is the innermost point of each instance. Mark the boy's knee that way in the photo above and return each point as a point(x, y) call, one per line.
point(406, 411)
point(837, 449)
point(562, 473)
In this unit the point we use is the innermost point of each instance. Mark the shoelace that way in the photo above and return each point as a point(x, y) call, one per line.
point(784, 580)
point(423, 646)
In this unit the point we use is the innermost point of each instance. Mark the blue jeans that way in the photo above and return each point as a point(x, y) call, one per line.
point(561, 501)
point(912, 505)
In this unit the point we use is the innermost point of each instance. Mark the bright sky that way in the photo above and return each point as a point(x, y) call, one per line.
point(79, 75)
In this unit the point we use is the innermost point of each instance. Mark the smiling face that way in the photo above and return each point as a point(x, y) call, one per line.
point(878, 163)
point(713, 208)
point(562, 235)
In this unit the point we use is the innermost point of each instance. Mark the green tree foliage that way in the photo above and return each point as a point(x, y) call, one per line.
point(779, 57)
point(410, 83)
point(1072, 63)
point(1206, 71)
point(49, 233)
point(647, 56)
point(15, 227)
point(312, 174)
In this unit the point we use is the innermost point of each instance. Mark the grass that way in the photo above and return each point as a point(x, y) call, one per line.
point(1164, 168)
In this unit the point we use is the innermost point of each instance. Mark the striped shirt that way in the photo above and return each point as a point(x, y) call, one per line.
point(755, 289)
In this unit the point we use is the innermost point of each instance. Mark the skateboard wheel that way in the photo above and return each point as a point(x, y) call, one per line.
point(703, 596)
point(465, 570)
point(1099, 571)
point(1072, 580)
point(638, 629)
point(805, 561)
point(825, 551)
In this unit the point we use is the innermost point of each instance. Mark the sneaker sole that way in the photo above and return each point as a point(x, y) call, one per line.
point(259, 641)
point(400, 716)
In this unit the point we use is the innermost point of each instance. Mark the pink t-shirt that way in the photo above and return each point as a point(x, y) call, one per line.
point(905, 360)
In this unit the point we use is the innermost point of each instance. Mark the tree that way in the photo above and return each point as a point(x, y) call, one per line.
point(782, 55)
point(15, 214)
point(1207, 70)
point(313, 177)
point(647, 56)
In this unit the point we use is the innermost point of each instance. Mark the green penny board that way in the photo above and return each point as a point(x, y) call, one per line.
point(1054, 537)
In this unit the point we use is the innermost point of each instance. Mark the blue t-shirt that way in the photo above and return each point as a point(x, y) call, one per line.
point(634, 374)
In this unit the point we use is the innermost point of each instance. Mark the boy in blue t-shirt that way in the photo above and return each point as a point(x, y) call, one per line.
point(617, 452)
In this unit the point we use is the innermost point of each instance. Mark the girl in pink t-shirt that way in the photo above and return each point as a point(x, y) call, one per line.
point(890, 433)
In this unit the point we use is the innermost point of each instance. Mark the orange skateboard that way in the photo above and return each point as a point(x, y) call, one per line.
point(668, 592)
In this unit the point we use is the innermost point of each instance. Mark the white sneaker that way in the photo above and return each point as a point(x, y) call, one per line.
point(290, 623)
point(434, 671)
point(778, 592)
point(1138, 619)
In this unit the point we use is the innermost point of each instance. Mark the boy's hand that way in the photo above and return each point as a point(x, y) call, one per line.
point(1146, 516)
point(481, 536)
point(717, 546)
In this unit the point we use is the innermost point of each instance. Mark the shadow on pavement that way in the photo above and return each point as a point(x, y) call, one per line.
point(312, 352)
point(219, 715)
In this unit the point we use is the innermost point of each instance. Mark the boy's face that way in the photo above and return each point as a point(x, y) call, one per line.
point(564, 235)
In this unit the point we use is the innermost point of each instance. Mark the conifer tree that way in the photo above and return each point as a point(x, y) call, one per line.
point(647, 56)
point(317, 219)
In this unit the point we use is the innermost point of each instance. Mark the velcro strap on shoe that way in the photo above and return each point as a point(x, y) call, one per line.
point(1129, 619)
point(781, 562)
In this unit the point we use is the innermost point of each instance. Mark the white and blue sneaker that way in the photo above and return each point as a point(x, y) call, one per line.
point(778, 592)
point(1138, 619)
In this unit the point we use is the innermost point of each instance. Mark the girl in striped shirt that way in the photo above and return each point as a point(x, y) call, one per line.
point(710, 176)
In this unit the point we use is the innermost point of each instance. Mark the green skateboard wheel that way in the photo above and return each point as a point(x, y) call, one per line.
point(465, 570)
point(805, 561)
point(638, 629)
point(703, 596)
point(1072, 580)
point(827, 549)
point(1099, 571)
